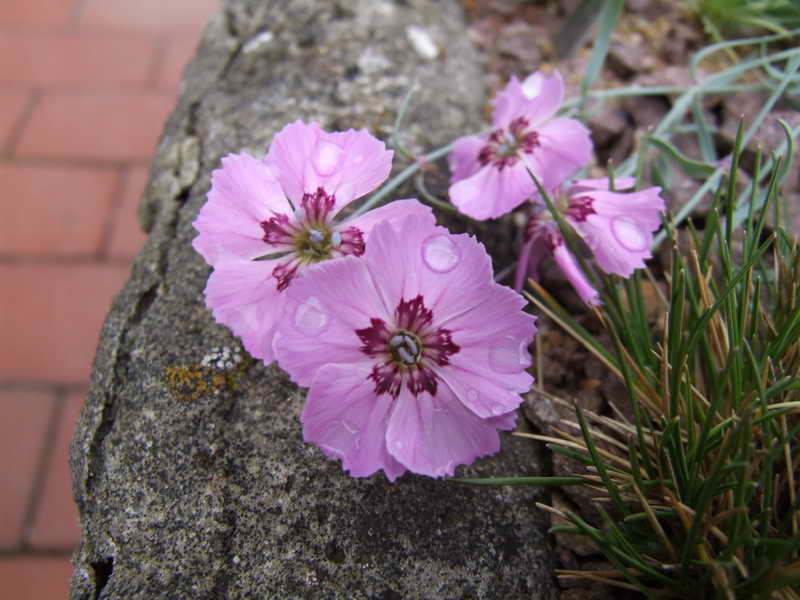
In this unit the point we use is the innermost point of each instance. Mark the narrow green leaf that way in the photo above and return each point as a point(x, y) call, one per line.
point(693, 168)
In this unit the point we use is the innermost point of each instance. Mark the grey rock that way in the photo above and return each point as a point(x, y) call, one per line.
point(192, 480)
point(624, 59)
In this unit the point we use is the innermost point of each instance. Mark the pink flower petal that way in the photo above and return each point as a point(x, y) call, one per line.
point(565, 148)
point(620, 231)
point(243, 194)
point(289, 154)
point(488, 372)
point(325, 308)
point(415, 258)
point(346, 420)
point(394, 211)
point(365, 164)
point(575, 276)
point(537, 98)
point(431, 435)
point(530, 258)
point(463, 158)
point(521, 271)
point(243, 295)
point(347, 164)
point(504, 422)
point(491, 193)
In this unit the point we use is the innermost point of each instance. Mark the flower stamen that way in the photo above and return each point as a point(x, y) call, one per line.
point(405, 348)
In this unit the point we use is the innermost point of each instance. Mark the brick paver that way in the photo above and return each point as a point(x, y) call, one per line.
point(56, 521)
point(69, 59)
point(85, 88)
point(57, 210)
point(177, 53)
point(36, 12)
point(102, 126)
point(24, 421)
point(151, 16)
point(50, 317)
point(127, 237)
point(12, 106)
point(35, 578)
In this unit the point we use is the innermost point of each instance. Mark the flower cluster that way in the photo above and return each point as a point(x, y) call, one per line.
point(414, 356)
point(267, 221)
point(493, 174)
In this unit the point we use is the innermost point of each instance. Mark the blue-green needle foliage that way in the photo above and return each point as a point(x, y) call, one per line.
point(722, 18)
point(700, 491)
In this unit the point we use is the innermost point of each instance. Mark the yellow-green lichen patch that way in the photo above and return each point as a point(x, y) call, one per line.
point(216, 372)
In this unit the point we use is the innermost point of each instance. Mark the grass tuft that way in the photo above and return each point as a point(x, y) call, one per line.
point(699, 492)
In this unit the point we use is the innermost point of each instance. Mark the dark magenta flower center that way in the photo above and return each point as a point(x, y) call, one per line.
point(407, 351)
point(309, 237)
point(505, 144)
point(581, 207)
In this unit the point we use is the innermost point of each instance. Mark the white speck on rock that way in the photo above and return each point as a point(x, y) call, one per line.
point(372, 62)
point(262, 39)
point(422, 42)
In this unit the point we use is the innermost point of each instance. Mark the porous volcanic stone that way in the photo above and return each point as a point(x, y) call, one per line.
point(193, 480)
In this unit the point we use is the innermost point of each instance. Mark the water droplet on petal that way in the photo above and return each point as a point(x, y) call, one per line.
point(327, 157)
point(472, 395)
point(499, 409)
point(532, 86)
point(440, 253)
point(509, 355)
point(629, 233)
point(310, 318)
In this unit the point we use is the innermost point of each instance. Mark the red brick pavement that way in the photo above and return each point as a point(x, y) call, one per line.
point(85, 87)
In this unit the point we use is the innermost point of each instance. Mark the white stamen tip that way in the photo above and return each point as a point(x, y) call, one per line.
point(396, 341)
point(412, 345)
point(336, 239)
point(407, 358)
point(316, 235)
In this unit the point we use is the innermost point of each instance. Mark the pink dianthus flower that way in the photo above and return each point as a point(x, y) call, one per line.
point(414, 356)
point(617, 227)
point(266, 221)
point(489, 176)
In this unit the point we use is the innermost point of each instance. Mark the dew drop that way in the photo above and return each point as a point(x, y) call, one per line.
point(327, 157)
point(472, 395)
point(310, 317)
point(440, 253)
point(629, 233)
point(509, 355)
point(532, 86)
point(499, 409)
